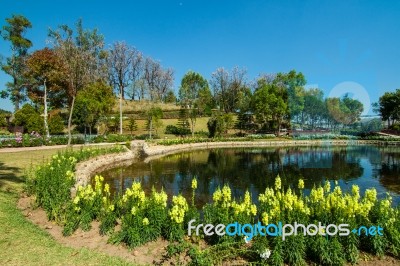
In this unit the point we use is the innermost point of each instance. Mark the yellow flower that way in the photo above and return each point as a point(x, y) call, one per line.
point(194, 183)
point(217, 195)
point(301, 184)
point(111, 208)
point(278, 183)
point(76, 200)
point(247, 198)
point(264, 218)
point(145, 221)
point(253, 209)
point(355, 190)
point(226, 193)
point(370, 194)
point(107, 188)
point(133, 210)
point(327, 186)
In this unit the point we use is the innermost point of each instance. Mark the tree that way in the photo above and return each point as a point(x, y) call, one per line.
point(158, 81)
point(136, 74)
point(132, 125)
point(191, 85)
point(219, 123)
point(205, 102)
point(45, 80)
point(154, 114)
point(119, 60)
point(294, 83)
point(388, 106)
point(56, 124)
point(170, 97)
point(269, 105)
point(314, 107)
point(14, 32)
point(81, 56)
point(228, 88)
point(92, 102)
point(183, 123)
point(346, 111)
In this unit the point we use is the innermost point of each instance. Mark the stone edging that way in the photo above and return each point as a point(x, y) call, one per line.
point(141, 149)
point(84, 170)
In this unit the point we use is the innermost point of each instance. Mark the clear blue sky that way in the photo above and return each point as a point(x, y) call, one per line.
point(329, 41)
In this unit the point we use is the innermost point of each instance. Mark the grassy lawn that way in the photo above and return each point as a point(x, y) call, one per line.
point(22, 242)
point(201, 125)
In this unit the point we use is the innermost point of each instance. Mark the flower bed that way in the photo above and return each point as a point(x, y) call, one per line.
point(145, 217)
point(51, 183)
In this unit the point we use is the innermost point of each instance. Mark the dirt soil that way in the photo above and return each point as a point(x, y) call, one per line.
point(152, 253)
point(148, 254)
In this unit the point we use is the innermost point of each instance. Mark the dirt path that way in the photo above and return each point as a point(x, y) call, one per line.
point(38, 148)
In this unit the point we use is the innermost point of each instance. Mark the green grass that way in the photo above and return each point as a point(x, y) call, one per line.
point(201, 125)
point(22, 242)
point(129, 106)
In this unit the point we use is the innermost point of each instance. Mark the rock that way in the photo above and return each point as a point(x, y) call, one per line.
point(49, 227)
point(135, 253)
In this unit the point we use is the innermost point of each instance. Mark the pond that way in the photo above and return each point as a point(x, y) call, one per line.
point(256, 168)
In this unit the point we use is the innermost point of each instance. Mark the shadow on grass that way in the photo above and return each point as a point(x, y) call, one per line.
point(10, 175)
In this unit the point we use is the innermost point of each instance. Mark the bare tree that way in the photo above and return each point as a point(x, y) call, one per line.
point(228, 87)
point(79, 58)
point(120, 71)
point(136, 72)
point(157, 80)
point(164, 82)
point(151, 71)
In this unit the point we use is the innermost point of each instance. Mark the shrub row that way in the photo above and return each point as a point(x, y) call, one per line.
point(169, 142)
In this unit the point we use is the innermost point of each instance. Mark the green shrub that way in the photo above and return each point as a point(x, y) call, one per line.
point(29, 118)
point(56, 125)
point(177, 131)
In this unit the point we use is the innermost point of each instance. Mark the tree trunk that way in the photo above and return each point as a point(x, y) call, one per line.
point(70, 120)
point(46, 126)
point(150, 127)
point(120, 110)
point(193, 125)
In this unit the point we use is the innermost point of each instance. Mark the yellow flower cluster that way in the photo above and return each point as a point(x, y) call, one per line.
point(223, 196)
point(179, 208)
point(85, 193)
point(194, 183)
point(301, 184)
point(160, 198)
point(348, 205)
point(246, 206)
point(145, 221)
point(278, 183)
point(69, 175)
point(277, 202)
point(98, 183)
point(135, 192)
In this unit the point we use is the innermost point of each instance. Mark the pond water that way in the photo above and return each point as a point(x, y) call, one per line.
point(256, 168)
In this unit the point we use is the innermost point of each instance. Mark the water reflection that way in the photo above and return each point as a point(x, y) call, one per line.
point(256, 168)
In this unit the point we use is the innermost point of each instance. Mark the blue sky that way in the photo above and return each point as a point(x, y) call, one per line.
point(340, 46)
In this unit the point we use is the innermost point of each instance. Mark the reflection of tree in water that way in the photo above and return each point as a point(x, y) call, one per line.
point(389, 172)
point(256, 168)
